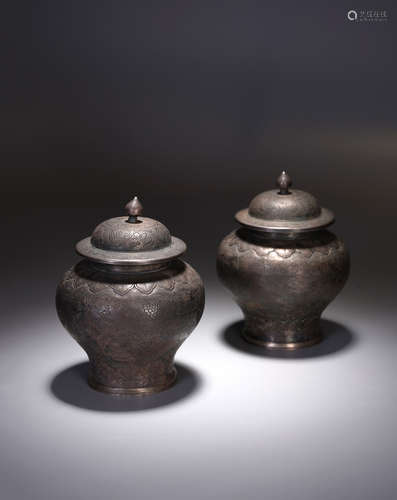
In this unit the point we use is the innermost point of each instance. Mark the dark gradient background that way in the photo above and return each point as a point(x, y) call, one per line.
point(196, 107)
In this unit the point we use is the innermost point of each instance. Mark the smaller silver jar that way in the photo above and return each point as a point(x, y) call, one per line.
point(283, 267)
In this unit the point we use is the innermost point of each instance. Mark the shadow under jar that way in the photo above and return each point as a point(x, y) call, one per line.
point(283, 267)
point(130, 303)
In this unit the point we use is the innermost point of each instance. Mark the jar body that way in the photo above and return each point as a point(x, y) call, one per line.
point(129, 322)
point(282, 284)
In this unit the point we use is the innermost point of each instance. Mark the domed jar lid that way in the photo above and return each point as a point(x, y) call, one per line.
point(131, 240)
point(285, 210)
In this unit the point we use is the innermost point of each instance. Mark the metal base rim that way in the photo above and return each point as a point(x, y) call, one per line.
point(287, 346)
point(130, 391)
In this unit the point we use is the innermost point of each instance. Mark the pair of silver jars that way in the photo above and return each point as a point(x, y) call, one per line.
point(131, 302)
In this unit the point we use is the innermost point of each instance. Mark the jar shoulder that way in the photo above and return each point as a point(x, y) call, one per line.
point(86, 277)
point(320, 244)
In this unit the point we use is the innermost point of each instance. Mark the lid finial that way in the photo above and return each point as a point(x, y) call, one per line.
point(134, 208)
point(283, 183)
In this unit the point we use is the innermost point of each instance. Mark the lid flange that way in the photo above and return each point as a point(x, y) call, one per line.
point(89, 251)
point(326, 218)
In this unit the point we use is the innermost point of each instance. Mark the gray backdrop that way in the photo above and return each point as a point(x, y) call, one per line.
point(196, 107)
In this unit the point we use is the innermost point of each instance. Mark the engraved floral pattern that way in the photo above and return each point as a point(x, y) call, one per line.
point(130, 323)
point(74, 282)
point(151, 310)
point(137, 240)
point(115, 234)
point(286, 250)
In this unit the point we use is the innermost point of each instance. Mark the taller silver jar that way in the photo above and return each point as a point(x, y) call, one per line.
point(283, 267)
point(130, 303)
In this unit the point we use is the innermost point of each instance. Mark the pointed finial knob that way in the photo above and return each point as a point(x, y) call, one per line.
point(283, 183)
point(134, 208)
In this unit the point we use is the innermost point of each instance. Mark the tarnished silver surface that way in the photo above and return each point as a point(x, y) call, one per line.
point(324, 219)
point(282, 267)
point(131, 303)
point(132, 239)
point(130, 323)
point(85, 248)
point(285, 210)
point(123, 236)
